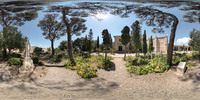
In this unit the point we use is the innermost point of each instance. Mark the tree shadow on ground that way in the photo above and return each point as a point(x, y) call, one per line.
point(95, 85)
point(112, 68)
point(192, 74)
point(54, 65)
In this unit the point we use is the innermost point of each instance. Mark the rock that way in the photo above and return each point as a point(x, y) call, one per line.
point(28, 65)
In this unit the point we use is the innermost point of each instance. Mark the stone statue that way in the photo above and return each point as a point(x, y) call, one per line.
point(28, 65)
point(27, 49)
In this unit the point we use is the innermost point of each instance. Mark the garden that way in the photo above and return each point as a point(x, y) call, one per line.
point(88, 65)
point(158, 63)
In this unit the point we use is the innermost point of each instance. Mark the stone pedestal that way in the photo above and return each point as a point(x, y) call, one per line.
point(28, 65)
point(181, 68)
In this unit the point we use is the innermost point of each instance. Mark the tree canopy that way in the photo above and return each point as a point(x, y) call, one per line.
point(195, 39)
point(52, 29)
point(125, 38)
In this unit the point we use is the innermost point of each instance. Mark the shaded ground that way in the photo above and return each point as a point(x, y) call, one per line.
point(115, 84)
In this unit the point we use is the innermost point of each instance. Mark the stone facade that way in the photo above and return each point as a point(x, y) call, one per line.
point(160, 44)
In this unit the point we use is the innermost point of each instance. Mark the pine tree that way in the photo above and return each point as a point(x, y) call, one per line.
point(107, 40)
point(90, 37)
point(136, 29)
point(151, 46)
point(125, 38)
point(144, 49)
point(98, 44)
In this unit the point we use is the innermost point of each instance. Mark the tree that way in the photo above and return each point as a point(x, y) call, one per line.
point(37, 51)
point(159, 20)
point(52, 29)
point(74, 25)
point(107, 40)
point(136, 29)
point(151, 46)
point(125, 38)
point(63, 46)
point(16, 15)
point(144, 49)
point(79, 44)
point(98, 44)
point(90, 37)
point(195, 39)
point(13, 39)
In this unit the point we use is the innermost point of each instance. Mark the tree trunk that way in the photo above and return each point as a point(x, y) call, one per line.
point(70, 48)
point(4, 52)
point(125, 54)
point(171, 40)
point(105, 53)
point(52, 48)
point(144, 55)
point(98, 51)
point(151, 56)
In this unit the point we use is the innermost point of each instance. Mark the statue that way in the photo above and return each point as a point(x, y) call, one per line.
point(28, 65)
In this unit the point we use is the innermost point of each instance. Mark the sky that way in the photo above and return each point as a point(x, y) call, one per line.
point(114, 24)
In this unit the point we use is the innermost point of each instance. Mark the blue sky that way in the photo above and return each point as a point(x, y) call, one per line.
point(114, 24)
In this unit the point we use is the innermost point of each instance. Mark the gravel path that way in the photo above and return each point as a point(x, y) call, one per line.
point(114, 84)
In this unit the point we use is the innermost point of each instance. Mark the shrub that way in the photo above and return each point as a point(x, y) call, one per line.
point(36, 61)
point(87, 71)
point(14, 61)
point(146, 66)
point(16, 55)
point(189, 65)
point(37, 51)
point(104, 64)
point(195, 55)
point(57, 57)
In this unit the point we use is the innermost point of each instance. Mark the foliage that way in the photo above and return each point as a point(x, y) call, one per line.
point(57, 50)
point(145, 66)
point(13, 38)
point(87, 71)
point(104, 64)
point(58, 58)
point(125, 38)
point(37, 51)
point(150, 44)
point(98, 42)
point(144, 47)
point(90, 37)
point(16, 55)
point(136, 30)
point(107, 40)
point(195, 40)
point(87, 65)
point(52, 29)
point(36, 61)
point(14, 61)
point(63, 46)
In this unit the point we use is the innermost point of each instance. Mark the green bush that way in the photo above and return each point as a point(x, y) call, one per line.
point(57, 57)
point(36, 61)
point(1, 53)
point(16, 55)
point(195, 55)
point(37, 51)
point(14, 61)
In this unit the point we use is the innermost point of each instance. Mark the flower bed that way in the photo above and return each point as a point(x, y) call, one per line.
point(86, 66)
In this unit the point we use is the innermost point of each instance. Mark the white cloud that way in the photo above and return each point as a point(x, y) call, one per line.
point(183, 40)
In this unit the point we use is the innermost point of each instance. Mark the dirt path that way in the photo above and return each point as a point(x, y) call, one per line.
point(116, 83)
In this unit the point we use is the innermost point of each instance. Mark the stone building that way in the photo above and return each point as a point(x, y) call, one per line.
point(160, 44)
